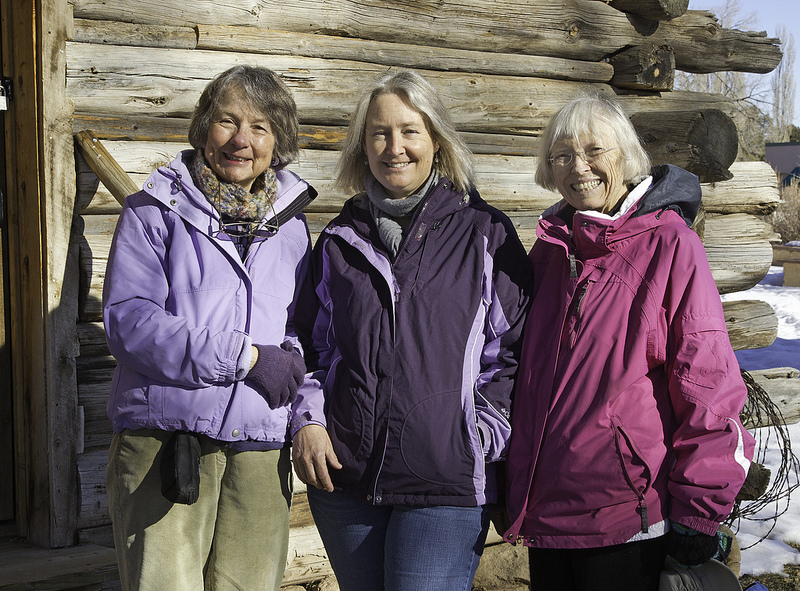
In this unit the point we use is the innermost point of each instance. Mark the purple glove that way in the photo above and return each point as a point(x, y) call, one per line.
point(277, 373)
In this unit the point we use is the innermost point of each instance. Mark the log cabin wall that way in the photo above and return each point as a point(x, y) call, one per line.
point(135, 68)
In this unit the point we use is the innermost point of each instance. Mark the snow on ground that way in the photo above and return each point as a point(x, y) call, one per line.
point(771, 554)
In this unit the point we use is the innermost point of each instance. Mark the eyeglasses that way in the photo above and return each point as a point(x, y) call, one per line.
point(249, 229)
point(566, 158)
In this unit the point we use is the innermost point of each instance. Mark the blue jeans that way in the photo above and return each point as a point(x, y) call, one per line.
point(397, 548)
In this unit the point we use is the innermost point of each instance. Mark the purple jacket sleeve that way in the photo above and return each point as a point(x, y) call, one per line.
point(312, 322)
point(141, 332)
point(507, 296)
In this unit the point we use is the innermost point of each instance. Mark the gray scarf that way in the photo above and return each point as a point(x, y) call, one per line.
point(385, 210)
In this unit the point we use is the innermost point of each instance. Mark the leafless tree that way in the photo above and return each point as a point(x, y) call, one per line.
point(749, 91)
point(783, 89)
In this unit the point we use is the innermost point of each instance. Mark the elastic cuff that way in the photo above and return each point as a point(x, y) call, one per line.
point(245, 357)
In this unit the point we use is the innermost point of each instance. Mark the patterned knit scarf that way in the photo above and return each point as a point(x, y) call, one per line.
point(232, 201)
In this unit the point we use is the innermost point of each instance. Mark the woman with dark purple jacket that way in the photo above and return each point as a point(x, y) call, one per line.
point(410, 320)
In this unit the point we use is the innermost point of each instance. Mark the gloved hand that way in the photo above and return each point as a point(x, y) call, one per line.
point(277, 373)
point(690, 547)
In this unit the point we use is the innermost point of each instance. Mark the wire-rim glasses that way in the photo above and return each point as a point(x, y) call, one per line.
point(250, 229)
point(566, 158)
point(242, 229)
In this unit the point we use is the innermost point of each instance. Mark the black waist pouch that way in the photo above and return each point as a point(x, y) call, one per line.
point(180, 468)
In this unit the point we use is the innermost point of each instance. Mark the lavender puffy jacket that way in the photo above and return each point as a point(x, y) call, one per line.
point(181, 309)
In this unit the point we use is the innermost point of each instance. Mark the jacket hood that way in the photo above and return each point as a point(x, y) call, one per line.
point(673, 188)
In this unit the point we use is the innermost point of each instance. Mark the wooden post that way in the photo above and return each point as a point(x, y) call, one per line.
point(104, 166)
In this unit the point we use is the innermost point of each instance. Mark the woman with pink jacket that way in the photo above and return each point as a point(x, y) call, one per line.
point(626, 441)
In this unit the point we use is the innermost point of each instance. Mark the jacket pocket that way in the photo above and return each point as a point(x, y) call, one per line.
point(638, 475)
point(350, 422)
point(434, 442)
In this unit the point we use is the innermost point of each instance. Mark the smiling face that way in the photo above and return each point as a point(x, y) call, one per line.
point(240, 142)
point(597, 186)
point(399, 147)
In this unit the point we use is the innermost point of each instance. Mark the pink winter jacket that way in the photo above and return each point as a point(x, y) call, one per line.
point(628, 395)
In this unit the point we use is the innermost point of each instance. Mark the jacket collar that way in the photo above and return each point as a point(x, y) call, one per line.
point(172, 185)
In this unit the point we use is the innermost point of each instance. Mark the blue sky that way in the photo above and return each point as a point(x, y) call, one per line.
point(766, 15)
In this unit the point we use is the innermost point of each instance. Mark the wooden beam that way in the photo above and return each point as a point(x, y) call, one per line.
point(122, 81)
point(270, 41)
point(704, 142)
point(644, 67)
point(703, 46)
point(782, 385)
point(104, 166)
point(570, 29)
point(654, 10)
point(120, 33)
point(506, 180)
point(26, 281)
point(60, 257)
point(751, 324)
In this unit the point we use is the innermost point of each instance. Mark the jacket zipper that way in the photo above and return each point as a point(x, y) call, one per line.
point(419, 232)
point(576, 312)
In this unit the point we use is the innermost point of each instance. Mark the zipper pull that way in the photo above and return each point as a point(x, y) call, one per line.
point(420, 231)
point(573, 267)
point(643, 512)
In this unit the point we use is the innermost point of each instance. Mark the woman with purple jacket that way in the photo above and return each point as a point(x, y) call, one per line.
point(198, 311)
point(411, 321)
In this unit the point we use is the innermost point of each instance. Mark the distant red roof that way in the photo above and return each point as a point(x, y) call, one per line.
point(783, 157)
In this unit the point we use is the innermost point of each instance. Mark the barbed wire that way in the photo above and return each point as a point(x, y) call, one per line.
point(764, 419)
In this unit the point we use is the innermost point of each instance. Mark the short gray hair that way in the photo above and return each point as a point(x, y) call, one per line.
point(263, 91)
point(583, 115)
point(454, 157)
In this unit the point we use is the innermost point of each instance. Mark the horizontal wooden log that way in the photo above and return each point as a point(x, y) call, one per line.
point(270, 41)
point(122, 81)
point(506, 181)
point(117, 33)
point(782, 385)
point(751, 324)
point(738, 250)
point(654, 10)
point(574, 29)
point(753, 189)
point(703, 46)
point(645, 67)
point(704, 142)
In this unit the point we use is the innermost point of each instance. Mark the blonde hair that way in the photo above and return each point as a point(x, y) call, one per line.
point(454, 158)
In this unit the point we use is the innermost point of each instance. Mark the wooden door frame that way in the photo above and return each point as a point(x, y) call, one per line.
point(42, 271)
